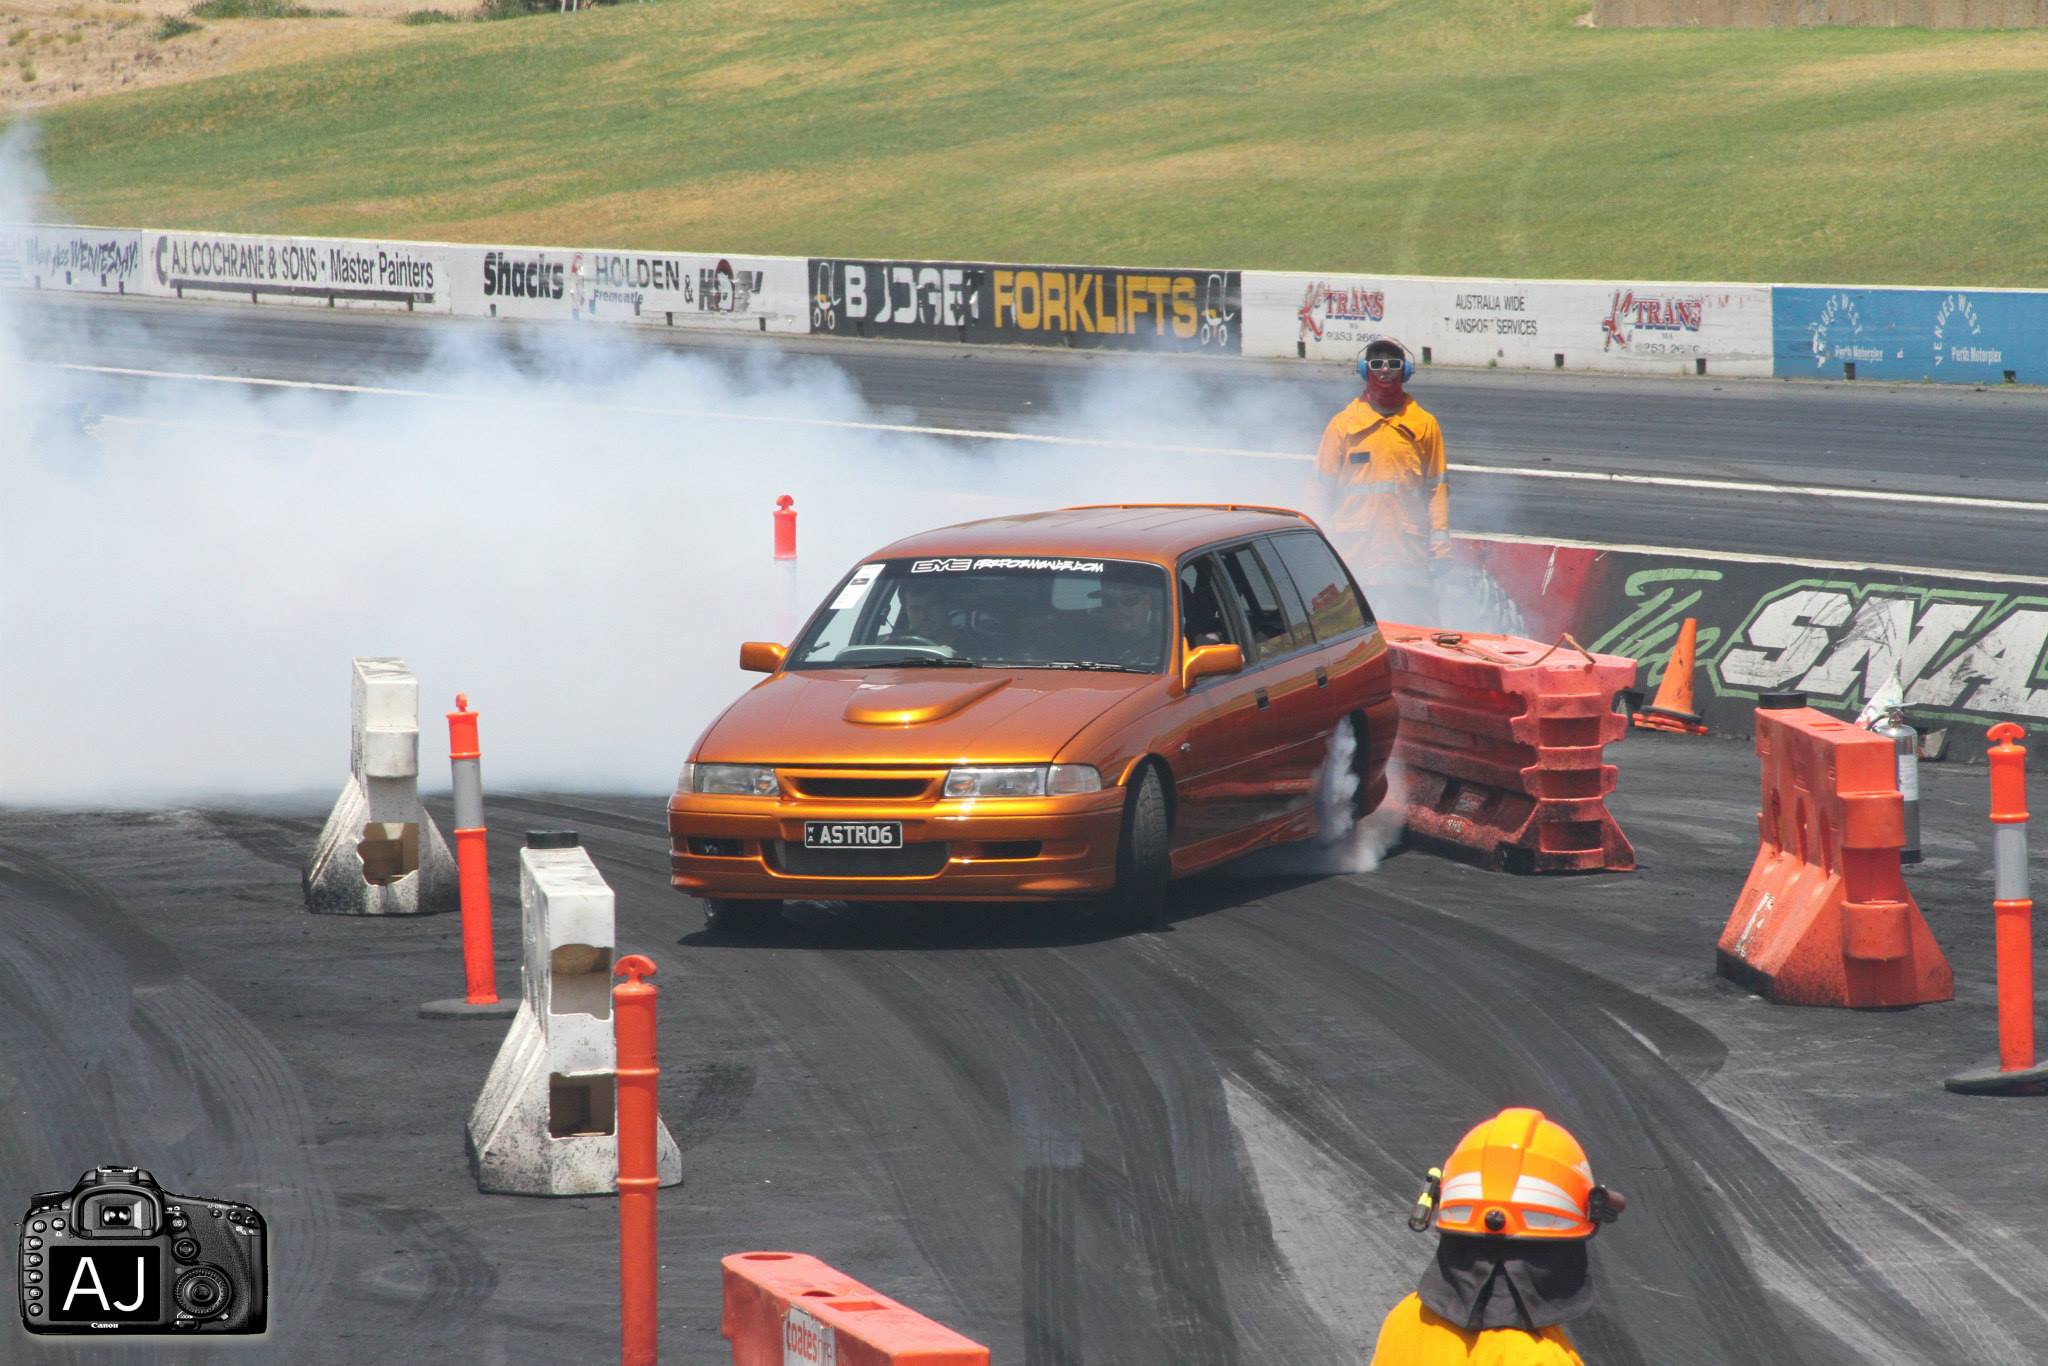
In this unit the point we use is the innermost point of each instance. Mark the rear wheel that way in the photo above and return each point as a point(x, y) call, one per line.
point(741, 919)
point(1144, 866)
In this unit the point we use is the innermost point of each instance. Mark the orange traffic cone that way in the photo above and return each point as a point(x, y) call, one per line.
point(1673, 709)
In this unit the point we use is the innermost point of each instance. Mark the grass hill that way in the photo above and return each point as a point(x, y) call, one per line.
point(1430, 136)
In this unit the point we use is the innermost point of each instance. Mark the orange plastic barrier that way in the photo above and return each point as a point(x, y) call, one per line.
point(1825, 918)
point(1503, 741)
point(783, 1307)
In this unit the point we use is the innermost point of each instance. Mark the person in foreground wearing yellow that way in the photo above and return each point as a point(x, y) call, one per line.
point(1515, 1205)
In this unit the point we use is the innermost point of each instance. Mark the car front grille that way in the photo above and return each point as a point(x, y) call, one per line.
point(889, 787)
point(912, 860)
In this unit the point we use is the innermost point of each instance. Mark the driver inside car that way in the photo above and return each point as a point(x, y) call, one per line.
point(1130, 619)
point(922, 617)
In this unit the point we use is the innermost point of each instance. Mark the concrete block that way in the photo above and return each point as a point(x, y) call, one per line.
point(546, 1122)
point(380, 853)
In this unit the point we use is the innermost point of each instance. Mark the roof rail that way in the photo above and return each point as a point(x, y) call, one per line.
point(1211, 507)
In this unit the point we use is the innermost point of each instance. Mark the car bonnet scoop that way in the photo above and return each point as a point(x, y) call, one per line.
point(909, 704)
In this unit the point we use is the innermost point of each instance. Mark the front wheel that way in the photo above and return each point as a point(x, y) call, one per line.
point(727, 919)
point(1144, 865)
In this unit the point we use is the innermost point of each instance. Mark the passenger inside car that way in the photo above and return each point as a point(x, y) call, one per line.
point(1201, 606)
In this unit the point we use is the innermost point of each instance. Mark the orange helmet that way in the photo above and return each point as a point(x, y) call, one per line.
point(1520, 1175)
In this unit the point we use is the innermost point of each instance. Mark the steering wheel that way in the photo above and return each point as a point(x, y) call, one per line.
point(910, 640)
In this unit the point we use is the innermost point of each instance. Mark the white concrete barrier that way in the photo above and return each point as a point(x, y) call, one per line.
point(380, 853)
point(546, 1122)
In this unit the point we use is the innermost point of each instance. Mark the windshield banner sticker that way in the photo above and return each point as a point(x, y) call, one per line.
point(961, 565)
point(857, 587)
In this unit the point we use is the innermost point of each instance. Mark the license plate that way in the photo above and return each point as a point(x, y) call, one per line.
point(853, 834)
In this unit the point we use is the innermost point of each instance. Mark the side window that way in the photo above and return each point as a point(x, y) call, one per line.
point(1202, 618)
point(1270, 631)
point(1334, 606)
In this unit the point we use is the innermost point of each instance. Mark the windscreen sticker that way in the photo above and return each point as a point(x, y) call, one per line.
point(856, 587)
point(955, 566)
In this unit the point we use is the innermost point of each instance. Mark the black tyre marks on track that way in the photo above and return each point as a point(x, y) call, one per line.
point(112, 1053)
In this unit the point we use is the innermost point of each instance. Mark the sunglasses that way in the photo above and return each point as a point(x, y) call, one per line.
point(1384, 363)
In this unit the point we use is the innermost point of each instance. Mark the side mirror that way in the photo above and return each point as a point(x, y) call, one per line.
point(1210, 661)
point(765, 656)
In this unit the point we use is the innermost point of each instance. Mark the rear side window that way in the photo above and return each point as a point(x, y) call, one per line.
point(1271, 631)
point(1334, 606)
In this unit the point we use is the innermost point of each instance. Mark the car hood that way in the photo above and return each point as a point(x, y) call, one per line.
point(890, 716)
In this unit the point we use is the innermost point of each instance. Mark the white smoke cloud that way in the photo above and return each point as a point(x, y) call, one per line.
point(188, 568)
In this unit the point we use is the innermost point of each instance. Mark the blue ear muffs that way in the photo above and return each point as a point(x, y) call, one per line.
point(1407, 360)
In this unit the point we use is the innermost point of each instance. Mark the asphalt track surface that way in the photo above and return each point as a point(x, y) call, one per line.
point(1192, 1145)
point(1799, 441)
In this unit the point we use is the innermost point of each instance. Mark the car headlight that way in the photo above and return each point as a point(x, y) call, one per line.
point(730, 780)
point(1038, 780)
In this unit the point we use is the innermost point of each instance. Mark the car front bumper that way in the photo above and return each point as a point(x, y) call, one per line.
point(993, 849)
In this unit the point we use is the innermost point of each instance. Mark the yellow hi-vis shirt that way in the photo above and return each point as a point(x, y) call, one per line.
point(1414, 1336)
point(1382, 480)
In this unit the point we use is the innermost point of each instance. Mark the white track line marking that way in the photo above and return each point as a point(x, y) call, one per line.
point(1107, 443)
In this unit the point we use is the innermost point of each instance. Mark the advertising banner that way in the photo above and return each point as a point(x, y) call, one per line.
point(320, 271)
point(659, 289)
point(1968, 650)
point(1113, 307)
point(1518, 324)
point(87, 260)
point(1955, 336)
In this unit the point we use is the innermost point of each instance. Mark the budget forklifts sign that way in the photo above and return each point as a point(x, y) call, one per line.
point(1122, 309)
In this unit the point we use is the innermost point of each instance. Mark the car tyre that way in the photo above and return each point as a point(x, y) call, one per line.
point(726, 919)
point(1144, 865)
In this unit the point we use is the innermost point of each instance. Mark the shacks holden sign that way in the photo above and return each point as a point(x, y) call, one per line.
point(1134, 310)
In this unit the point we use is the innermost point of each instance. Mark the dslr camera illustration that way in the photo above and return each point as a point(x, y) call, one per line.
point(117, 1253)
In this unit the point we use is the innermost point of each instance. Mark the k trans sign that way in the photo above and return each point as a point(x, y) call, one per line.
point(1115, 308)
point(1520, 324)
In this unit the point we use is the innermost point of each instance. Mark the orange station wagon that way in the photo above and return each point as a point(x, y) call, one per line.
point(1079, 704)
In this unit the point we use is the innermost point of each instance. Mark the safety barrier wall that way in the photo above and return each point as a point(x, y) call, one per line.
point(787, 1309)
point(1503, 741)
point(1969, 650)
point(1978, 336)
point(1825, 918)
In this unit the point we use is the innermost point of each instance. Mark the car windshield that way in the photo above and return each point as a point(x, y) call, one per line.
point(992, 612)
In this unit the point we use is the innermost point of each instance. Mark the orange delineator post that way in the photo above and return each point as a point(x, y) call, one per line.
point(639, 1177)
point(2018, 1072)
point(1825, 918)
point(785, 528)
point(478, 969)
point(783, 1307)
